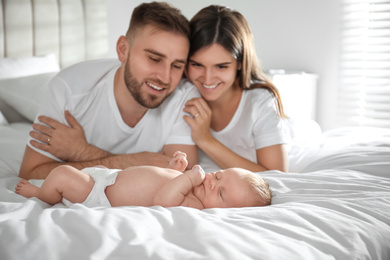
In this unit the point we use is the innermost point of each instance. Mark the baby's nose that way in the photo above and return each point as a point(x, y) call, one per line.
point(208, 176)
point(210, 179)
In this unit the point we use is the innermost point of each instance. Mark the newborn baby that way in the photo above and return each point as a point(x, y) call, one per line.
point(150, 186)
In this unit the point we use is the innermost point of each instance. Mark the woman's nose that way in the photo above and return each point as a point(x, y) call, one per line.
point(208, 76)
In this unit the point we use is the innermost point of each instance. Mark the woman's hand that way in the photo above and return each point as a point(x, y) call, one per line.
point(199, 121)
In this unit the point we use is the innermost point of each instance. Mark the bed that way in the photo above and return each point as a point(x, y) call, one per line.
point(333, 204)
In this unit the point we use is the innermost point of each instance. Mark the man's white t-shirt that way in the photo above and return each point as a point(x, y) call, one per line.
point(87, 91)
point(255, 125)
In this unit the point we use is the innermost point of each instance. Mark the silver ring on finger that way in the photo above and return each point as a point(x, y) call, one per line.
point(196, 115)
point(48, 140)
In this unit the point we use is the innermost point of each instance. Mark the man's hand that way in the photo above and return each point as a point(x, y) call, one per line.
point(67, 143)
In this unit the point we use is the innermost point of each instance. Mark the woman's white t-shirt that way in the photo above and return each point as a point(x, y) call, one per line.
point(255, 124)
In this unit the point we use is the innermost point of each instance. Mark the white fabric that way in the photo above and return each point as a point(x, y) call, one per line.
point(25, 94)
point(27, 66)
point(13, 139)
point(74, 30)
point(103, 177)
point(363, 149)
point(96, 29)
point(17, 71)
point(18, 29)
point(86, 90)
point(46, 27)
point(1, 31)
point(72, 16)
point(332, 220)
point(339, 211)
point(254, 125)
point(3, 120)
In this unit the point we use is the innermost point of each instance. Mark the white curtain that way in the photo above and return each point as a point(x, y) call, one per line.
point(364, 92)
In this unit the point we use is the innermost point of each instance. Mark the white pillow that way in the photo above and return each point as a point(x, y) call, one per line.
point(21, 67)
point(13, 140)
point(25, 94)
point(3, 120)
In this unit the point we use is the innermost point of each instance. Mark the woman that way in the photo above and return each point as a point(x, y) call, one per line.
point(238, 122)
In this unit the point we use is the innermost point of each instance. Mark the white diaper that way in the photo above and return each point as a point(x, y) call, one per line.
point(103, 177)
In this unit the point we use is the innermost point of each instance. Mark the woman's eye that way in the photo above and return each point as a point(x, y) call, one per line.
point(222, 66)
point(195, 64)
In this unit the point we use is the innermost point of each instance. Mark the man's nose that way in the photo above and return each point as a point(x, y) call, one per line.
point(164, 73)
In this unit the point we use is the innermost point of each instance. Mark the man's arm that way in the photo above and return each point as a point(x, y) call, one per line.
point(68, 143)
point(38, 166)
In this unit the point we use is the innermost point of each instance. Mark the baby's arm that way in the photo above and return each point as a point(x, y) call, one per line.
point(179, 161)
point(174, 192)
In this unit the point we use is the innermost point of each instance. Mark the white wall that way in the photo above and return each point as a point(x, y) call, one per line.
point(294, 35)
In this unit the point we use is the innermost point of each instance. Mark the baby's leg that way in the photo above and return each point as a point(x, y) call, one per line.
point(179, 161)
point(26, 189)
point(65, 182)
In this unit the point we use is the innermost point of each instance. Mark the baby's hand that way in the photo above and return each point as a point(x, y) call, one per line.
point(196, 175)
point(179, 161)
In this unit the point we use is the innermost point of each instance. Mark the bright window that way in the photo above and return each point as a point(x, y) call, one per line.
point(364, 93)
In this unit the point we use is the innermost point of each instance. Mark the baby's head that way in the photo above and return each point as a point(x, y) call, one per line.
point(261, 192)
point(233, 188)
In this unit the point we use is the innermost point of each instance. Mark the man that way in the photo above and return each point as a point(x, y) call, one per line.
point(108, 113)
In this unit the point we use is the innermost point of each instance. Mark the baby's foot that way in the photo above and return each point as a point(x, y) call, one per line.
point(26, 189)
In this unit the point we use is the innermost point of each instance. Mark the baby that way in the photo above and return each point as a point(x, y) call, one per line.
point(150, 186)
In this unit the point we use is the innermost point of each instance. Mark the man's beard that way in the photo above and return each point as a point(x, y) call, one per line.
point(134, 87)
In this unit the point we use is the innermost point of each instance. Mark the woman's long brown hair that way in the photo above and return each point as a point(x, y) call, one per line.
point(230, 29)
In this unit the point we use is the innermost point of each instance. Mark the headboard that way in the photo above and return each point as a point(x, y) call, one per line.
point(74, 30)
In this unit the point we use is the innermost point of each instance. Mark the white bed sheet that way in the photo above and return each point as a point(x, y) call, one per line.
point(337, 207)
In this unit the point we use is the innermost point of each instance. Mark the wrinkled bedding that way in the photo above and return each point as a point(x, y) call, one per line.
point(334, 204)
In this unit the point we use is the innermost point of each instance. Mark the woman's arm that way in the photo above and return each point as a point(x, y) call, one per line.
point(269, 158)
point(273, 157)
